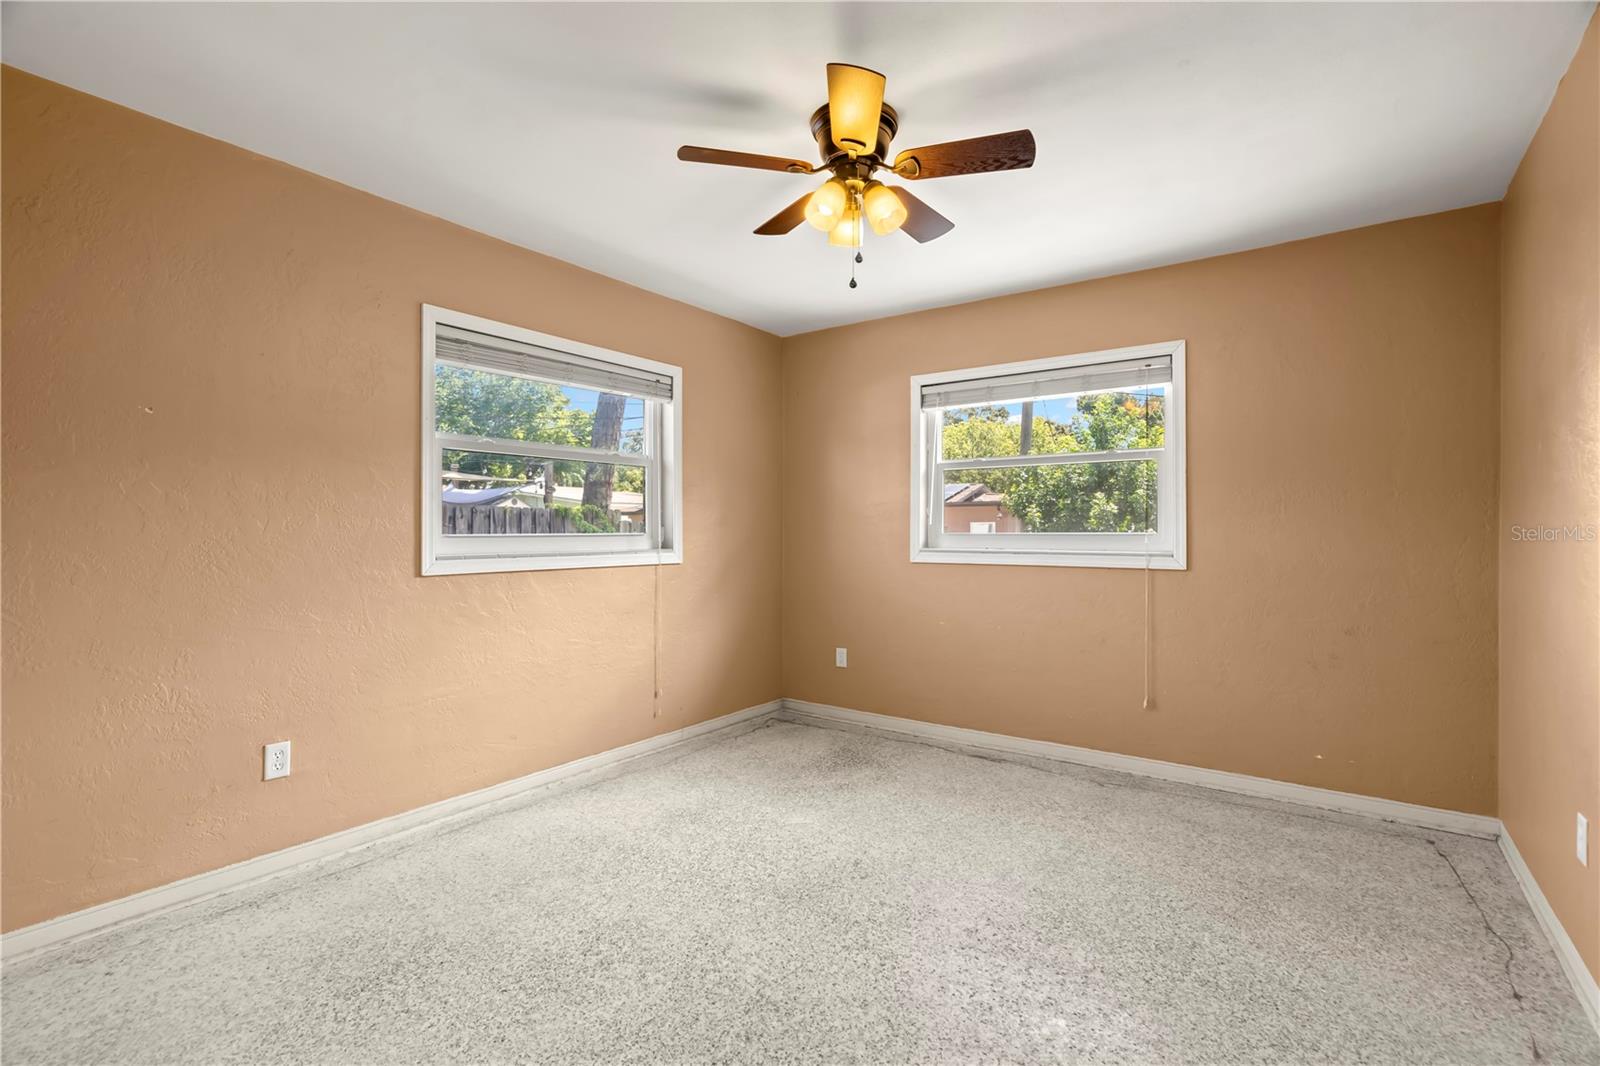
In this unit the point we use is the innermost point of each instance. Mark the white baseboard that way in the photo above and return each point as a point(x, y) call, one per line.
point(1583, 982)
point(93, 920)
point(97, 919)
point(1477, 825)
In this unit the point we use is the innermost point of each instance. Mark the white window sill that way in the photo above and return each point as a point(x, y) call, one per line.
point(995, 557)
point(509, 564)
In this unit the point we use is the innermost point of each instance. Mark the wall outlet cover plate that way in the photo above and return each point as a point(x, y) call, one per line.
point(275, 761)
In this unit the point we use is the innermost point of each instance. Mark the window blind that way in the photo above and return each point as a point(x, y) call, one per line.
point(465, 347)
point(1035, 384)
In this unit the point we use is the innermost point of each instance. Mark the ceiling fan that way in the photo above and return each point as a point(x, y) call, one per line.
point(853, 130)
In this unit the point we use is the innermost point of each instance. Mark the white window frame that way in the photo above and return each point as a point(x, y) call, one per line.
point(1165, 549)
point(662, 541)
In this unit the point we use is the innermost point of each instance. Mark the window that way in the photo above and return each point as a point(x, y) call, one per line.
point(1069, 461)
point(542, 453)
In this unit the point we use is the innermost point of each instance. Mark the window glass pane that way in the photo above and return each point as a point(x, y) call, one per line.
point(1109, 497)
point(490, 494)
point(1087, 422)
point(481, 403)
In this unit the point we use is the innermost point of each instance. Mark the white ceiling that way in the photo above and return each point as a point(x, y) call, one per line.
point(1165, 132)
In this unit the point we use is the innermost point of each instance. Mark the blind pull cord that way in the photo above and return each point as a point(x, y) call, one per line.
point(655, 657)
point(1146, 704)
point(1147, 623)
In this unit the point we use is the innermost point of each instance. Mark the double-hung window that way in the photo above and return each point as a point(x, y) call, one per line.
point(543, 453)
point(1068, 461)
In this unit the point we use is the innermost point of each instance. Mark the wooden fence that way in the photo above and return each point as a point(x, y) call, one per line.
point(487, 518)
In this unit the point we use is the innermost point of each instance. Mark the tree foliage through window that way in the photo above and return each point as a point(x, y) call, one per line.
point(479, 403)
point(1111, 497)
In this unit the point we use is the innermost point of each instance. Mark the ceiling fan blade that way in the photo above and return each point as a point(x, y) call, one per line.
point(978, 155)
point(922, 223)
point(691, 154)
point(855, 104)
point(785, 220)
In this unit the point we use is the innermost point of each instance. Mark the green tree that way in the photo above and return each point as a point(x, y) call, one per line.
point(480, 403)
point(599, 479)
point(1117, 496)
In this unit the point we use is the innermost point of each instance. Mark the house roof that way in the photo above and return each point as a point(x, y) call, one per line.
point(970, 493)
point(570, 495)
point(480, 495)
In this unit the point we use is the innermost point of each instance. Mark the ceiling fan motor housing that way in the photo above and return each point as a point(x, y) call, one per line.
point(822, 130)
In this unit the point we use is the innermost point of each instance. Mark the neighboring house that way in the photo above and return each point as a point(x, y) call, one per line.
point(628, 506)
point(976, 508)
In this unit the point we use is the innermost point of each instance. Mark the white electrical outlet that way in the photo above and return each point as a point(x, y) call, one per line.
point(275, 760)
point(1583, 839)
point(840, 657)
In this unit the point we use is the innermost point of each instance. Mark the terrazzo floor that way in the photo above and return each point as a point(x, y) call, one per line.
point(800, 894)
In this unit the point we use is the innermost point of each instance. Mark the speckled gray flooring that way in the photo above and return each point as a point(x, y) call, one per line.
point(797, 894)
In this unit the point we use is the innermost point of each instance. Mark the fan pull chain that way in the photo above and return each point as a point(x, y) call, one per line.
point(861, 235)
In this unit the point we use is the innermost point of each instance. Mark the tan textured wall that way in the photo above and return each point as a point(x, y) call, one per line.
point(209, 472)
point(1336, 624)
point(211, 406)
point(1550, 476)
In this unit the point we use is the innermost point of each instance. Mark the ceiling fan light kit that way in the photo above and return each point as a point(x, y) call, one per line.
point(847, 234)
point(853, 131)
point(885, 212)
point(825, 207)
